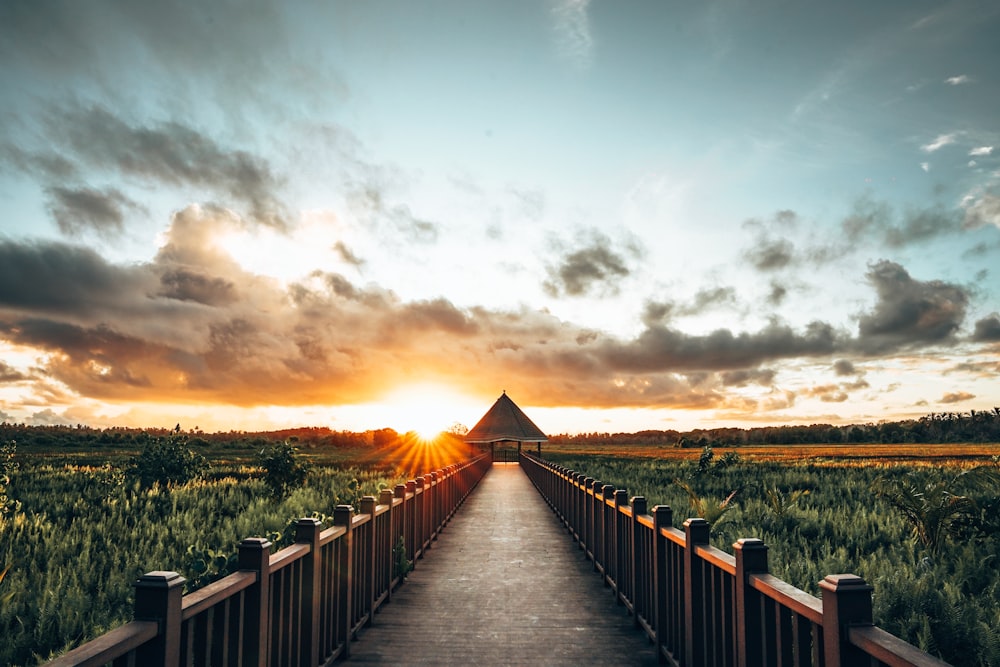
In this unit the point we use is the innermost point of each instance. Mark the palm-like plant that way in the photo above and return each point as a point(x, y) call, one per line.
point(710, 509)
point(935, 508)
point(779, 504)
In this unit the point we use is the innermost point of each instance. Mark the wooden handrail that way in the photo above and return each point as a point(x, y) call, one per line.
point(889, 648)
point(109, 646)
point(300, 605)
point(194, 603)
point(690, 577)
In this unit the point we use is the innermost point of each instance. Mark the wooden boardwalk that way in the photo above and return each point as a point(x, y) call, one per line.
point(504, 584)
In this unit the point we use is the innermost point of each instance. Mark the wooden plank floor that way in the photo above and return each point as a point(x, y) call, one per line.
point(504, 584)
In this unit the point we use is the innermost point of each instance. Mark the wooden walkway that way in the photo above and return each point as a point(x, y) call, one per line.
point(504, 584)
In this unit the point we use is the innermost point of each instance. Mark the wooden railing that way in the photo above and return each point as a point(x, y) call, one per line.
point(702, 606)
point(298, 606)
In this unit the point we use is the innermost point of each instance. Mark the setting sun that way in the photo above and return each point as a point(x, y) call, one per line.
point(426, 409)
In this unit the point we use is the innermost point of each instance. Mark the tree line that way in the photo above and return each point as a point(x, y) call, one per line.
point(975, 426)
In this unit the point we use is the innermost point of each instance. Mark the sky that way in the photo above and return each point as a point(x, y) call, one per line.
point(628, 216)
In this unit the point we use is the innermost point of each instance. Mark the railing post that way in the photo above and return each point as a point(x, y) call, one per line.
point(696, 533)
point(751, 558)
point(607, 535)
point(435, 486)
point(255, 555)
point(368, 553)
point(639, 563)
point(587, 530)
point(385, 497)
point(158, 598)
point(342, 516)
point(420, 514)
point(307, 530)
point(847, 601)
point(412, 517)
point(619, 546)
point(663, 517)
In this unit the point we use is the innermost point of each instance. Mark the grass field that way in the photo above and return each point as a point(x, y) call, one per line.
point(918, 454)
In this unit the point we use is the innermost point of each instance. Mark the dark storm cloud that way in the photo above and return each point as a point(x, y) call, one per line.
point(987, 330)
point(909, 311)
point(61, 278)
point(76, 210)
point(594, 268)
point(659, 348)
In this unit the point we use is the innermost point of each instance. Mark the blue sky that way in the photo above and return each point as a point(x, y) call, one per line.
point(629, 216)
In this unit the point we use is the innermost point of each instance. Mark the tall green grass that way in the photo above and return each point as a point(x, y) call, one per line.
point(946, 603)
point(80, 538)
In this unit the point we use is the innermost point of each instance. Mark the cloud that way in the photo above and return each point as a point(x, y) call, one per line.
point(908, 311)
point(958, 80)
point(876, 220)
point(192, 326)
point(66, 279)
point(10, 374)
point(926, 166)
point(659, 348)
point(157, 154)
point(572, 30)
point(369, 201)
point(594, 268)
point(173, 153)
point(982, 209)
point(844, 367)
point(347, 254)
point(956, 397)
point(771, 255)
point(939, 142)
point(77, 210)
point(741, 378)
point(981, 151)
point(987, 329)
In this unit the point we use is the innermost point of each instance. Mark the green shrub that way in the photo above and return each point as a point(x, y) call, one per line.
point(168, 462)
point(284, 469)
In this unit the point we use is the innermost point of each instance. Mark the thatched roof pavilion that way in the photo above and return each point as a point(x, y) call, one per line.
point(505, 422)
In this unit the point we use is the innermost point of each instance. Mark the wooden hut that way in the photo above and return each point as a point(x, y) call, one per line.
point(505, 423)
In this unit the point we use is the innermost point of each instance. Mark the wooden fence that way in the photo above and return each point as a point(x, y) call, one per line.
point(702, 606)
point(299, 606)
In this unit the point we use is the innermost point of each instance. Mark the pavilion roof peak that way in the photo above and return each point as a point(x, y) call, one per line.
point(505, 422)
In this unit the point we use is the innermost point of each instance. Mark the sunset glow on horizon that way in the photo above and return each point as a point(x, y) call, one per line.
point(371, 215)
